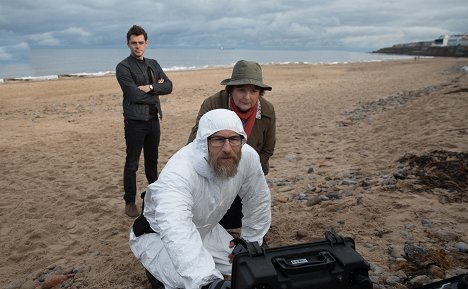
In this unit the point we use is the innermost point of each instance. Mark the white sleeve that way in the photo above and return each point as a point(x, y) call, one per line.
point(256, 201)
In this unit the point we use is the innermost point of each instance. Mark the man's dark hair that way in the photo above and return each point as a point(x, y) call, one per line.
point(136, 30)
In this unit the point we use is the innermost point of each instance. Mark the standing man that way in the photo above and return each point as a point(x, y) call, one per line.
point(142, 81)
point(178, 237)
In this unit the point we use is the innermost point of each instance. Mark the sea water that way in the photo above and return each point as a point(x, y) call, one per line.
point(52, 63)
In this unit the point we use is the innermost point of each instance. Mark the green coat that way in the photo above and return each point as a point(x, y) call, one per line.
point(263, 135)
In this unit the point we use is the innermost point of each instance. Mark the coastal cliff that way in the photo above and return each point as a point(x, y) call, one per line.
point(425, 49)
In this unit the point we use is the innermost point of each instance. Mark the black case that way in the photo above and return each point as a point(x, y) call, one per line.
point(332, 263)
point(457, 282)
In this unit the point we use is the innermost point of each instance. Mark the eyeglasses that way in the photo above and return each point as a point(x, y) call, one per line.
point(218, 141)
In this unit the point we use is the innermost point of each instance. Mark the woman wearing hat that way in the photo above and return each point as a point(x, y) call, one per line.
point(244, 94)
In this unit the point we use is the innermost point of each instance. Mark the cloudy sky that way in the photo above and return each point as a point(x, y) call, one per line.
point(360, 25)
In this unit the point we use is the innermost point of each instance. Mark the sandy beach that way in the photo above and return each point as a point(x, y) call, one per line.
point(376, 151)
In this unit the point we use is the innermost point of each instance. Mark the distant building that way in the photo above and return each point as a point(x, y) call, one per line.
point(451, 40)
point(441, 41)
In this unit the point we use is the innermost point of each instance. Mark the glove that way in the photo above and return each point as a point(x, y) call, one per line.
point(241, 246)
point(218, 284)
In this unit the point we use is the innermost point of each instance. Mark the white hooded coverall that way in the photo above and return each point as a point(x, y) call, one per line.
point(190, 249)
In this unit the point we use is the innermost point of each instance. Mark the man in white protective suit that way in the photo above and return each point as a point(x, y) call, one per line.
point(177, 238)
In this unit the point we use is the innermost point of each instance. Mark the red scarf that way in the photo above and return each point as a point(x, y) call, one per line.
point(247, 118)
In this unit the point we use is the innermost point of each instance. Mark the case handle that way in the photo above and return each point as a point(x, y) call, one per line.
point(324, 260)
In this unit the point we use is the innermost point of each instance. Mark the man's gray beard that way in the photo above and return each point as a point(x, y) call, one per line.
point(224, 171)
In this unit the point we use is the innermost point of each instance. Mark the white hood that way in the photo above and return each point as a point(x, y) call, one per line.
point(210, 123)
point(214, 121)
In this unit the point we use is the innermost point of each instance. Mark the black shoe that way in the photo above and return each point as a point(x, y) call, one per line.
point(155, 283)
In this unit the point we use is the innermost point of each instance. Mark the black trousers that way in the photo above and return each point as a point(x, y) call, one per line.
point(140, 135)
point(233, 217)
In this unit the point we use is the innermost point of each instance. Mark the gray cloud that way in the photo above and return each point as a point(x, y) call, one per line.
point(293, 24)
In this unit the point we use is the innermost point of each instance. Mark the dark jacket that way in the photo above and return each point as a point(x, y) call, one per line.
point(131, 73)
point(263, 135)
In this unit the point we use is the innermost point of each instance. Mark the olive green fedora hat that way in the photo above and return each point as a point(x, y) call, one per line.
point(246, 72)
